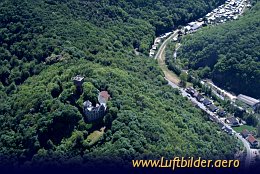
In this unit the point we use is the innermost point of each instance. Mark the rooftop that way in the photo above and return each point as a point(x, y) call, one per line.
point(232, 120)
point(88, 105)
point(245, 133)
point(78, 78)
point(206, 101)
point(222, 112)
point(103, 97)
point(213, 107)
point(251, 139)
point(199, 96)
point(248, 100)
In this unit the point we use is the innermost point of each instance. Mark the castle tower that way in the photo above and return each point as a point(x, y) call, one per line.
point(78, 81)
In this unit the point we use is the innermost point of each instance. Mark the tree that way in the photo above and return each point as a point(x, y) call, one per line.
point(89, 92)
point(183, 77)
point(251, 120)
point(54, 89)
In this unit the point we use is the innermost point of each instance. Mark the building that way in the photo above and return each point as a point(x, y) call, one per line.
point(103, 97)
point(195, 94)
point(248, 100)
point(78, 80)
point(256, 108)
point(227, 129)
point(213, 108)
point(200, 97)
point(245, 133)
point(253, 142)
point(94, 113)
point(195, 27)
point(190, 90)
point(232, 121)
point(207, 102)
point(222, 113)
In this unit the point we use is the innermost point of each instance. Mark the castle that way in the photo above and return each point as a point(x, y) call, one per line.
point(94, 113)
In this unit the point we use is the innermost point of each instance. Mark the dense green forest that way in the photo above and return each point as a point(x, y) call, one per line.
point(228, 53)
point(44, 43)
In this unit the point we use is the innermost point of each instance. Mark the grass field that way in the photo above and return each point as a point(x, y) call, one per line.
point(94, 137)
point(241, 128)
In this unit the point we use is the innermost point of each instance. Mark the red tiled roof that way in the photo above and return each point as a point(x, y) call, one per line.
point(251, 139)
point(105, 95)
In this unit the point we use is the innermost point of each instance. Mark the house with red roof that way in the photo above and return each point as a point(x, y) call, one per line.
point(103, 97)
point(253, 142)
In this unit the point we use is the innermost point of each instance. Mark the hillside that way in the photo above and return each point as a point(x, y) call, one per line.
point(46, 43)
point(228, 53)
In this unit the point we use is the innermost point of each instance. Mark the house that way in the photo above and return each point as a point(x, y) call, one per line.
point(200, 97)
point(207, 102)
point(195, 94)
point(213, 108)
point(227, 129)
point(256, 108)
point(103, 97)
point(187, 28)
point(190, 90)
point(195, 27)
point(245, 133)
point(222, 113)
point(232, 121)
point(253, 142)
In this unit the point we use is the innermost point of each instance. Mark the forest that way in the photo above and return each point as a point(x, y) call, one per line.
point(44, 43)
point(228, 54)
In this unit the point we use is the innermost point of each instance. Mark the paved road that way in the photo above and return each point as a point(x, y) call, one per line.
point(162, 47)
point(204, 108)
point(248, 150)
point(200, 105)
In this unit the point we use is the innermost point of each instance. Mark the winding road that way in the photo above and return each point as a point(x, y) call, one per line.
point(248, 150)
point(173, 81)
point(160, 56)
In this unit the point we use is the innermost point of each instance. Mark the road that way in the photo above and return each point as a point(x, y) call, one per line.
point(248, 150)
point(160, 56)
point(173, 82)
point(204, 108)
point(225, 93)
point(192, 99)
point(162, 47)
